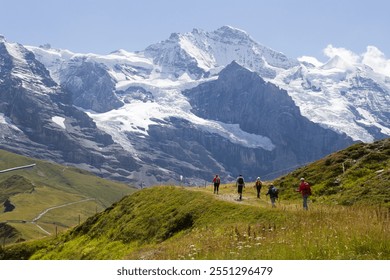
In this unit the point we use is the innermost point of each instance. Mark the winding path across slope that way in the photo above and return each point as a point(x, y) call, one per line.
point(34, 221)
point(40, 215)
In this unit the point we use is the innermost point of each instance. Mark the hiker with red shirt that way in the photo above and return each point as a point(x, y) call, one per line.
point(216, 182)
point(305, 190)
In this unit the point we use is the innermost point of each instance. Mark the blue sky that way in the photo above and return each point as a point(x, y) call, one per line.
point(293, 27)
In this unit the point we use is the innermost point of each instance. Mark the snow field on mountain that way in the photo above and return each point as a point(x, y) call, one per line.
point(325, 106)
point(326, 95)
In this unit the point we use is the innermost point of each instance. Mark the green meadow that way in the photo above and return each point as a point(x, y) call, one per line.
point(183, 223)
point(348, 219)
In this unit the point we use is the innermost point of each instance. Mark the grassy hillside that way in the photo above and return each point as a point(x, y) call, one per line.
point(357, 175)
point(349, 218)
point(193, 223)
point(68, 195)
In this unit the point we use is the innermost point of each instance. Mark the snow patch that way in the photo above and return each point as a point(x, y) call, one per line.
point(234, 134)
point(311, 60)
point(7, 121)
point(2, 119)
point(370, 120)
point(60, 121)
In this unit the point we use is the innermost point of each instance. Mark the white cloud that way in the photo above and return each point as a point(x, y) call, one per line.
point(345, 54)
point(376, 59)
point(373, 58)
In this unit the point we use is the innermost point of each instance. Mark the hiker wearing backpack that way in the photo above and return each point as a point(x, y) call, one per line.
point(258, 185)
point(305, 190)
point(240, 183)
point(216, 182)
point(273, 193)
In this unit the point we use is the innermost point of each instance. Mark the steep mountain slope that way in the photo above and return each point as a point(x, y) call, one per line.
point(241, 97)
point(39, 201)
point(37, 118)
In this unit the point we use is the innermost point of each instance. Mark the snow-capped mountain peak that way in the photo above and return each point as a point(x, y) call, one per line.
point(26, 68)
point(201, 53)
point(233, 35)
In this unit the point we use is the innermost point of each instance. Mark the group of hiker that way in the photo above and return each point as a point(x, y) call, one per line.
point(273, 192)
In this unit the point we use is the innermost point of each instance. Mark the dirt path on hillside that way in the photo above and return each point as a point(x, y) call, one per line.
point(59, 206)
point(247, 198)
point(228, 193)
point(40, 215)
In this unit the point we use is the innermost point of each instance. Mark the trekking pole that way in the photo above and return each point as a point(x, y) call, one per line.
point(17, 168)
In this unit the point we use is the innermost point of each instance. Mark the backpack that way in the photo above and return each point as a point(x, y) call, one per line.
point(240, 181)
point(308, 189)
point(275, 192)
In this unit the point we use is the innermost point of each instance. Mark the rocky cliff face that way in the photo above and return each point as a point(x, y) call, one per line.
point(90, 85)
